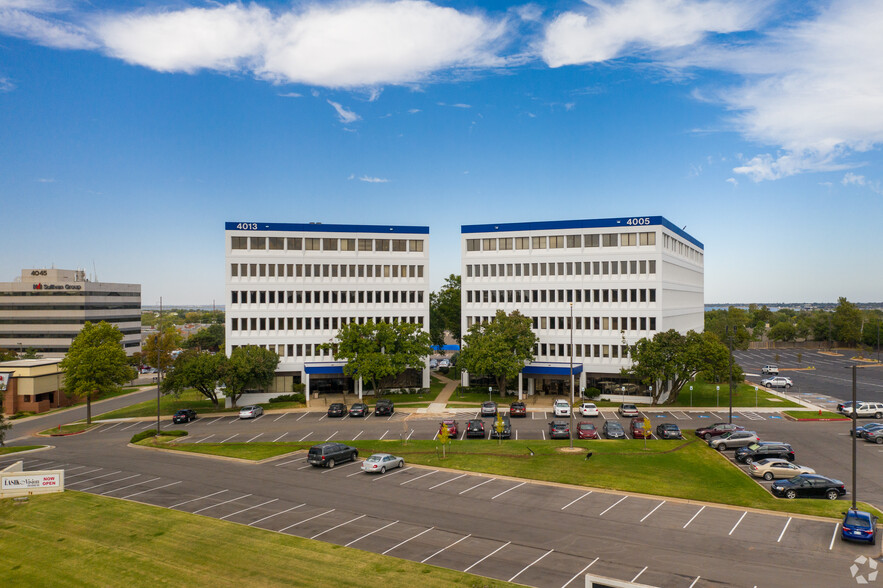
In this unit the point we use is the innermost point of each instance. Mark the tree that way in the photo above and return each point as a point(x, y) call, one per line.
point(500, 348)
point(199, 370)
point(717, 321)
point(30, 353)
point(210, 338)
point(157, 349)
point(847, 322)
point(7, 354)
point(377, 352)
point(783, 331)
point(249, 366)
point(5, 425)
point(95, 363)
point(444, 311)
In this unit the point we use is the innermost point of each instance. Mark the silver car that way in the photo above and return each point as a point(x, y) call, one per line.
point(733, 440)
point(380, 462)
point(777, 468)
point(777, 382)
point(250, 412)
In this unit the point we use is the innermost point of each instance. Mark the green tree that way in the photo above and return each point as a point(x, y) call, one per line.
point(847, 322)
point(30, 353)
point(5, 425)
point(378, 352)
point(157, 349)
point(500, 348)
point(199, 370)
point(444, 311)
point(7, 354)
point(95, 363)
point(249, 367)
point(783, 331)
point(210, 338)
point(717, 321)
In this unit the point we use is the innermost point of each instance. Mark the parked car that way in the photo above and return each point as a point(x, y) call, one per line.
point(507, 429)
point(613, 430)
point(875, 436)
point(859, 525)
point(764, 450)
point(337, 409)
point(517, 409)
point(252, 411)
point(451, 424)
point(475, 428)
point(716, 430)
point(586, 430)
point(433, 364)
point(359, 409)
point(865, 409)
point(733, 440)
point(777, 382)
point(777, 468)
point(628, 410)
point(329, 454)
point(637, 429)
point(843, 405)
point(384, 407)
point(668, 431)
point(809, 486)
point(561, 408)
point(444, 363)
point(185, 415)
point(588, 409)
point(488, 408)
point(559, 430)
point(860, 431)
point(771, 370)
point(380, 462)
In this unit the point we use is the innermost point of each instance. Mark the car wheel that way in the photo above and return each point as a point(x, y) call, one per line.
point(749, 460)
point(330, 463)
point(402, 463)
point(722, 447)
point(382, 469)
point(879, 415)
point(768, 476)
point(355, 455)
point(787, 386)
point(873, 540)
point(790, 494)
point(708, 436)
point(879, 440)
point(832, 495)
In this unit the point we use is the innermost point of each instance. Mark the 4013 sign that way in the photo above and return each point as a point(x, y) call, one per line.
point(247, 226)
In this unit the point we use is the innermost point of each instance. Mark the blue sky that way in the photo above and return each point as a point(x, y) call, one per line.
point(131, 131)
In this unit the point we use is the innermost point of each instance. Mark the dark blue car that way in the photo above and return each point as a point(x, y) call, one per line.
point(859, 525)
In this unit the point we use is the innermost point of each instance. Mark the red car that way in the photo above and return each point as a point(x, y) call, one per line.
point(517, 409)
point(451, 424)
point(586, 430)
point(638, 430)
point(716, 430)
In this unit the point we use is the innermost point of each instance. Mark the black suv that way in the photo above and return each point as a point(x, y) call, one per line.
point(559, 430)
point(328, 454)
point(384, 407)
point(507, 429)
point(185, 415)
point(475, 428)
point(763, 450)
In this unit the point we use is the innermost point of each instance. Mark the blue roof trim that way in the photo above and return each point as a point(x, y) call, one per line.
point(595, 223)
point(323, 228)
point(552, 370)
point(445, 347)
point(324, 369)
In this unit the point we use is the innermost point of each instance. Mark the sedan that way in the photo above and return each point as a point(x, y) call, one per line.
point(475, 428)
point(638, 430)
point(185, 415)
point(380, 462)
point(716, 430)
point(859, 525)
point(588, 409)
point(866, 429)
point(668, 431)
point(359, 409)
point(771, 468)
point(586, 430)
point(250, 412)
point(559, 430)
point(337, 409)
point(809, 486)
point(518, 409)
point(613, 430)
point(628, 410)
point(777, 382)
point(451, 424)
point(733, 440)
point(875, 436)
point(488, 408)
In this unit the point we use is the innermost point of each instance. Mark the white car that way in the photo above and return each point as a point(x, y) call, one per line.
point(561, 408)
point(866, 409)
point(777, 382)
point(444, 363)
point(380, 462)
point(777, 468)
point(250, 412)
point(587, 409)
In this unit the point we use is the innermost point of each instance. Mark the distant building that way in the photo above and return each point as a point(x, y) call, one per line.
point(46, 308)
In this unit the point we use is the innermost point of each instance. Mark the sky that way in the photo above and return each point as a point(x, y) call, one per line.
point(130, 132)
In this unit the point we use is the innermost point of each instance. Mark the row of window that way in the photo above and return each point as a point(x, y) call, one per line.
point(66, 348)
point(580, 350)
point(61, 335)
point(589, 323)
point(66, 321)
point(632, 267)
point(69, 293)
point(87, 306)
point(295, 350)
point(561, 241)
point(317, 323)
point(562, 295)
point(326, 297)
point(325, 244)
point(323, 270)
point(682, 249)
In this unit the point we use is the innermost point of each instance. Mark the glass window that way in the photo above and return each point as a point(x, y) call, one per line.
point(277, 243)
point(539, 242)
point(593, 240)
point(610, 239)
point(522, 243)
point(239, 243)
point(258, 242)
point(294, 243)
point(506, 243)
point(629, 239)
point(234, 270)
point(347, 244)
point(648, 238)
point(311, 244)
point(489, 244)
point(365, 245)
point(574, 240)
point(399, 245)
point(416, 245)
point(556, 242)
point(329, 244)
point(381, 244)
point(652, 267)
point(473, 244)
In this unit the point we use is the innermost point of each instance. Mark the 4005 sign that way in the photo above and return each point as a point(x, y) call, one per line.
point(639, 221)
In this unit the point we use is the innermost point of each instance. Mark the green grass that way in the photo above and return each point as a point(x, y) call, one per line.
point(68, 429)
point(169, 405)
point(8, 450)
point(814, 414)
point(706, 395)
point(78, 539)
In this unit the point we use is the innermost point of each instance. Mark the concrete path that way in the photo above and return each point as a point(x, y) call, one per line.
point(444, 396)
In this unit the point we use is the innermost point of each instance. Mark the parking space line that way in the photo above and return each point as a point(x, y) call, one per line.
point(279, 437)
point(85, 473)
point(409, 434)
point(301, 416)
point(371, 533)
point(309, 465)
point(95, 478)
point(737, 523)
point(275, 514)
point(355, 474)
point(346, 465)
point(331, 435)
point(390, 417)
point(418, 477)
point(477, 485)
point(516, 434)
point(110, 482)
point(151, 490)
point(543, 431)
point(512, 488)
point(359, 435)
point(435, 436)
point(305, 436)
point(463, 435)
point(220, 504)
point(534, 561)
point(444, 548)
point(579, 573)
point(230, 437)
point(136, 423)
point(130, 485)
point(260, 417)
point(111, 427)
point(214, 421)
point(717, 416)
point(247, 509)
point(572, 502)
point(487, 556)
point(406, 540)
point(309, 519)
point(690, 521)
point(612, 505)
point(398, 471)
point(676, 417)
point(646, 516)
point(279, 417)
point(384, 435)
point(834, 536)
point(446, 481)
point(323, 416)
point(785, 528)
point(338, 526)
point(205, 438)
point(149, 424)
point(288, 462)
point(639, 574)
point(255, 437)
point(200, 498)
point(694, 582)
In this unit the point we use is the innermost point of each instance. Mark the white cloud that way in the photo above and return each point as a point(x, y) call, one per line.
point(371, 180)
point(45, 180)
point(414, 111)
point(733, 181)
point(857, 180)
point(291, 95)
point(6, 85)
point(20, 23)
point(346, 116)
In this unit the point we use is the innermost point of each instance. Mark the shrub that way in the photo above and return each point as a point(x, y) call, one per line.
point(151, 432)
point(298, 388)
point(288, 398)
point(444, 370)
point(592, 393)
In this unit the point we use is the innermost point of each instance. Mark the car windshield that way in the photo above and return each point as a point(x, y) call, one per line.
point(614, 426)
point(587, 427)
point(375, 458)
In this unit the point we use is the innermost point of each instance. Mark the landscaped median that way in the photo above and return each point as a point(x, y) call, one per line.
point(83, 539)
point(815, 415)
point(686, 469)
point(8, 450)
point(72, 429)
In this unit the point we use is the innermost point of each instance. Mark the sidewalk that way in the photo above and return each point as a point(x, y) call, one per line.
point(444, 396)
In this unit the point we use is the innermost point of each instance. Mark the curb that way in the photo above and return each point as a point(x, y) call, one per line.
point(220, 457)
point(42, 448)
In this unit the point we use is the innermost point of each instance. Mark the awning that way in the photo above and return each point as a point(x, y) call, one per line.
point(552, 369)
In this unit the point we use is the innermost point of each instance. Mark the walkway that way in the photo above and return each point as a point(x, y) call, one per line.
point(445, 395)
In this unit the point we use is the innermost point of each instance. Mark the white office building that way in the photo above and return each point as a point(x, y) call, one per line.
point(290, 287)
point(604, 282)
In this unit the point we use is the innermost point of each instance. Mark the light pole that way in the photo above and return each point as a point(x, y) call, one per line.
point(571, 375)
point(730, 341)
point(854, 436)
point(157, 343)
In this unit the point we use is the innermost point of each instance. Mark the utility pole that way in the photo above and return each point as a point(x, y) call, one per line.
point(571, 375)
point(158, 342)
point(854, 438)
point(730, 341)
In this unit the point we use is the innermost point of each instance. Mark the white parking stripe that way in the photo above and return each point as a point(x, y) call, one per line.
point(384, 435)
point(331, 435)
point(338, 526)
point(612, 505)
point(444, 548)
point(129, 486)
point(409, 434)
point(105, 429)
point(785, 528)
point(646, 516)
point(84, 473)
point(214, 421)
point(151, 489)
point(512, 488)
point(136, 423)
point(309, 519)
point(576, 500)
point(639, 574)
point(200, 498)
point(418, 477)
point(737, 523)
point(543, 431)
point(305, 436)
point(477, 485)
point(446, 481)
point(110, 482)
point(488, 555)
point(834, 536)
point(371, 533)
point(340, 467)
point(359, 435)
point(323, 416)
point(276, 440)
point(694, 581)
point(230, 437)
point(580, 573)
point(255, 437)
point(406, 540)
point(355, 474)
point(288, 462)
point(398, 471)
point(302, 416)
point(147, 426)
point(276, 514)
point(220, 504)
point(205, 438)
point(534, 561)
point(247, 509)
point(463, 435)
point(691, 520)
point(95, 478)
point(279, 417)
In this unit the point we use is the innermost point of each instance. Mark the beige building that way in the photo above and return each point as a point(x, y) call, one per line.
point(31, 385)
point(46, 308)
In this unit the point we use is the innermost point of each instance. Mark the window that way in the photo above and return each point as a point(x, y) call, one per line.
point(505, 243)
point(522, 243)
point(347, 244)
point(610, 239)
point(234, 297)
point(648, 239)
point(539, 242)
point(239, 243)
point(294, 243)
point(399, 245)
point(473, 244)
point(329, 244)
point(574, 240)
point(593, 240)
point(556, 242)
point(629, 239)
point(652, 266)
point(258, 242)
point(365, 245)
point(381, 244)
point(415, 245)
point(311, 244)
point(277, 243)
point(234, 270)
point(652, 294)
point(489, 244)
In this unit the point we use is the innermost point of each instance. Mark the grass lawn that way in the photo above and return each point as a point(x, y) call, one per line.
point(8, 450)
point(706, 395)
point(814, 414)
point(170, 404)
point(78, 539)
point(68, 429)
